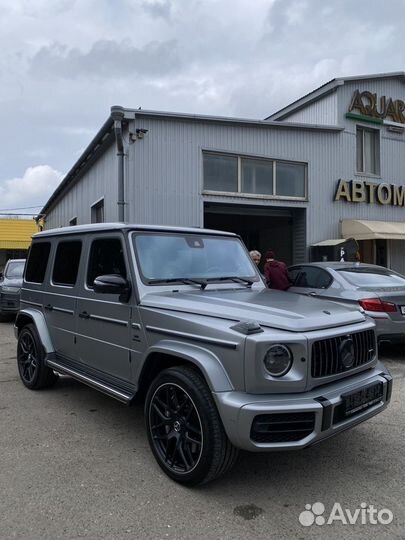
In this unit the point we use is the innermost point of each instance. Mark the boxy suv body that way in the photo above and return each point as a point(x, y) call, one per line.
point(183, 318)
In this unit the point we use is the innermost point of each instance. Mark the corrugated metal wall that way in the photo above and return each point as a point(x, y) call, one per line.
point(322, 111)
point(100, 180)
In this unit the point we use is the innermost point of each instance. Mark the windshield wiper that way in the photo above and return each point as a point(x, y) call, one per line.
point(235, 279)
point(199, 282)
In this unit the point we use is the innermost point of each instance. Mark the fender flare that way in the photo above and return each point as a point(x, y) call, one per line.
point(208, 363)
point(38, 319)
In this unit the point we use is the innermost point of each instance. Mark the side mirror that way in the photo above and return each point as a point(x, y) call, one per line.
point(113, 284)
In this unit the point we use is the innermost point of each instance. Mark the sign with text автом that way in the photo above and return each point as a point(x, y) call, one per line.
point(360, 191)
point(378, 110)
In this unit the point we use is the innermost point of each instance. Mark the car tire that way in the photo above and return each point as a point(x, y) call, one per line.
point(184, 429)
point(31, 360)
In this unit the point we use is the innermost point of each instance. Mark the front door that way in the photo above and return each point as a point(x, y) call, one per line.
point(104, 322)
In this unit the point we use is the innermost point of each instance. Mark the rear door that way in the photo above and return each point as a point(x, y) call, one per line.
point(103, 323)
point(310, 280)
point(60, 298)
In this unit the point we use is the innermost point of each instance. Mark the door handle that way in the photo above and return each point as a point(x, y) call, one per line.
point(84, 315)
point(48, 307)
point(312, 293)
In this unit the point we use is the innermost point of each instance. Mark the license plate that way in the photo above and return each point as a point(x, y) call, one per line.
point(359, 400)
point(402, 308)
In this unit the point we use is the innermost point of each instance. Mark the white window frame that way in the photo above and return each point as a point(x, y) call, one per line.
point(377, 134)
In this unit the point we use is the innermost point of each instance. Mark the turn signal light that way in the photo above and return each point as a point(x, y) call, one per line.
point(375, 304)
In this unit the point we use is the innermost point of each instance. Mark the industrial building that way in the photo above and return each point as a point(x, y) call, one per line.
point(330, 165)
point(15, 238)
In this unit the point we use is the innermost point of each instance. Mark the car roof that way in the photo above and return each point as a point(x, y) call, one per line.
point(336, 265)
point(106, 227)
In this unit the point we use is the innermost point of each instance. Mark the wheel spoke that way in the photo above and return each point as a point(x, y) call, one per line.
point(183, 457)
point(191, 440)
point(159, 412)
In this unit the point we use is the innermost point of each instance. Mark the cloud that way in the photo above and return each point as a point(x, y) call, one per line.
point(158, 8)
point(106, 59)
point(33, 188)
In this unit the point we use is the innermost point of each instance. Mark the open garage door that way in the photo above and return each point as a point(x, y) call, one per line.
point(279, 229)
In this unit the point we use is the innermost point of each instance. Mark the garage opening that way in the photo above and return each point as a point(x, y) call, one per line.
point(279, 229)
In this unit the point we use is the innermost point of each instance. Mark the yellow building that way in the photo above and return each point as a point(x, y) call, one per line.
point(15, 238)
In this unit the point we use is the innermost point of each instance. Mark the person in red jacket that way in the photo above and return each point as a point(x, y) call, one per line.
point(276, 273)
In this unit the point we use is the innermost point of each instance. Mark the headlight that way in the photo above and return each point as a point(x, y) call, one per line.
point(278, 360)
point(6, 288)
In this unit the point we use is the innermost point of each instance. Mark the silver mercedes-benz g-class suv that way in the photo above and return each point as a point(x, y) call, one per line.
point(182, 317)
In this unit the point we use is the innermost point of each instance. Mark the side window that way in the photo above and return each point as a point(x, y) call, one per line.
point(106, 257)
point(295, 274)
point(66, 265)
point(37, 262)
point(313, 277)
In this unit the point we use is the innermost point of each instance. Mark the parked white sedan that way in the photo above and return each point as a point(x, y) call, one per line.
point(378, 290)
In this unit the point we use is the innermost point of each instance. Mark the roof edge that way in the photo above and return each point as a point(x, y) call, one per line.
point(326, 89)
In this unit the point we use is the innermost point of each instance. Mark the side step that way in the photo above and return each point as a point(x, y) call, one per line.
point(120, 395)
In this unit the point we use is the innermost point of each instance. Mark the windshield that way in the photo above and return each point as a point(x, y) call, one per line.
point(15, 270)
point(373, 277)
point(178, 257)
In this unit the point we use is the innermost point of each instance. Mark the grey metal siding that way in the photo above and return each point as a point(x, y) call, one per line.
point(100, 180)
point(322, 112)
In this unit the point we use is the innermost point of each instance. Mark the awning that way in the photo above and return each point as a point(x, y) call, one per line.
point(373, 230)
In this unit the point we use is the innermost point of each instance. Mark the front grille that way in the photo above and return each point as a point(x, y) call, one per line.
point(282, 427)
point(327, 354)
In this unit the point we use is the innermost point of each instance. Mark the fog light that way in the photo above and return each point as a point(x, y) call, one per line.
point(278, 360)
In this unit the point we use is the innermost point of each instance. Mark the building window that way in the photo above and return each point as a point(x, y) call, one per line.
point(220, 173)
point(257, 176)
point(66, 264)
point(368, 150)
point(290, 179)
point(37, 262)
point(250, 176)
point(97, 212)
point(73, 222)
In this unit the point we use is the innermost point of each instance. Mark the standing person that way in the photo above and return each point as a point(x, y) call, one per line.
point(256, 256)
point(276, 273)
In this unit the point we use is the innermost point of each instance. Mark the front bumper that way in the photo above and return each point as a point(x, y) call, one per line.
point(9, 302)
point(238, 410)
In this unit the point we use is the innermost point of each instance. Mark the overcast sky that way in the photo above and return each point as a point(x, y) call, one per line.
point(63, 63)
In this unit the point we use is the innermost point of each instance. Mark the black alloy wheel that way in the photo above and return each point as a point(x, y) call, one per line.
point(31, 360)
point(176, 428)
point(184, 428)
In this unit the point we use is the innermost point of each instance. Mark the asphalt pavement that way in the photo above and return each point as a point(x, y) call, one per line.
point(76, 464)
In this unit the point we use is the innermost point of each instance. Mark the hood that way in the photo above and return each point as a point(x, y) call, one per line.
point(275, 309)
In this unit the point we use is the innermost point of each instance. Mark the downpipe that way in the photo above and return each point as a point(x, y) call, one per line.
point(117, 114)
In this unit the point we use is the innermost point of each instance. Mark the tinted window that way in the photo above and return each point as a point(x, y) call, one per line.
point(66, 264)
point(311, 276)
point(371, 277)
point(15, 270)
point(106, 257)
point(37, 262)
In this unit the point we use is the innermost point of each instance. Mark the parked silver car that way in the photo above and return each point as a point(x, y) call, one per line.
point(10, 286)
point(378, 290)
point(183, 317)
